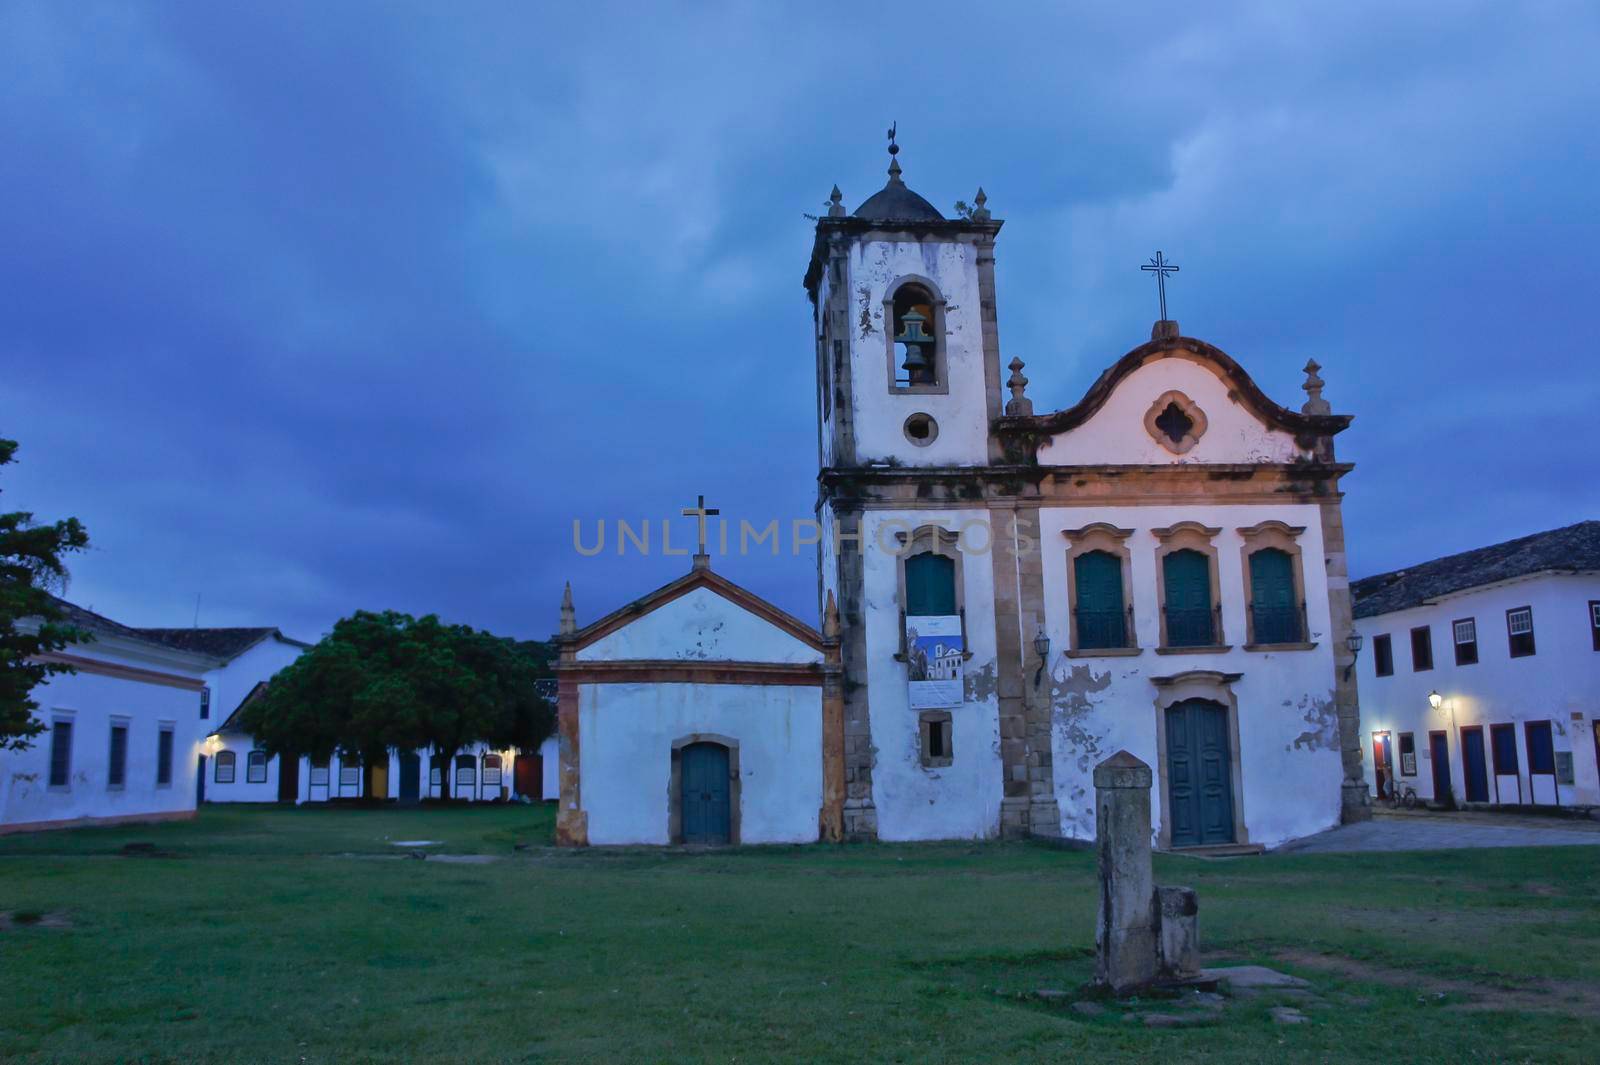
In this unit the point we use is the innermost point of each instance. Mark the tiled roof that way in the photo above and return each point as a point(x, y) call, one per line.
point(1574, 548)
point(218, 643)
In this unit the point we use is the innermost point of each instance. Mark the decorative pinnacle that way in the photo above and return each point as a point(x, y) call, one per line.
point(1314, 404)
point(830, 618)
point(894, 150)
point(980, 213)
point(1018, 405)
point(569, 622)
point(836, 203)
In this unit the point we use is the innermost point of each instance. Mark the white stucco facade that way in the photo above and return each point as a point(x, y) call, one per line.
point(142, 687)
point(1288, 744)
point(1558, 683)
point(698, 666)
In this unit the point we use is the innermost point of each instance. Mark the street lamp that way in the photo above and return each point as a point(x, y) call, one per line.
point(1435, 700)
point(1352, 643)
point(1041, 647)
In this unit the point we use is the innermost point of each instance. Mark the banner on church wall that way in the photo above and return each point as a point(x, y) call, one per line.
point(934, 654)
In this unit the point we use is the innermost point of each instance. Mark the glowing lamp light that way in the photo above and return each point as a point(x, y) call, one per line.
point(1435, 700)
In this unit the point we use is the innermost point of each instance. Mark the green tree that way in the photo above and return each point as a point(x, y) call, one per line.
point(382, 681)
point(31, 621)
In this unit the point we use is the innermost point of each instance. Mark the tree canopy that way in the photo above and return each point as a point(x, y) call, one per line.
point(31, 621)
point(382, 681)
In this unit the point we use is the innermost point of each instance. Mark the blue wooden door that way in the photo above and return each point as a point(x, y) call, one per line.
point(704, 779)
point(200, 781)
point(1477, 769)
point(410, 777)
point(1199, 774)
point(1439, 754)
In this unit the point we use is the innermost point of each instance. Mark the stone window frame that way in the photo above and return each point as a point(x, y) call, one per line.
point(675, 784)
point(1189, 535)
point(1100, 536)
point(1190, 408)
point(925, 722)
point(1216, 687)
point(941, 363)
point(930, 538)
point(1274, 533)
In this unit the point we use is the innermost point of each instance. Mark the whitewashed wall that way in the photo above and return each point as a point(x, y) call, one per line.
point(91, 700)
point(1290, 768)
point(625, 756)
point(1560, 683)
point(1116, 432)
point(962, 415)
point(961, 800)
point(700, 626)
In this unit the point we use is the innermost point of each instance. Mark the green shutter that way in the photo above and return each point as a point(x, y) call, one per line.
point(1097, 576)
point(930, 585)
point(1276, 614)
point(1187, 576)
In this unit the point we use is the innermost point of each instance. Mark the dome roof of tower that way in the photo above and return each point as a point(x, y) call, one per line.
point(897, 203)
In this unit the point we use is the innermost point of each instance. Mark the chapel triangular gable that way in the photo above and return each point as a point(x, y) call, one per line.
point(701, 617)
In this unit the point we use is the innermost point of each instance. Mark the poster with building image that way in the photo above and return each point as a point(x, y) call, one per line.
point(934, 653)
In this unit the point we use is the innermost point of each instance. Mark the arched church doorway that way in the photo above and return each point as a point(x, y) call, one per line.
point(1199, 774)
point(705, 798)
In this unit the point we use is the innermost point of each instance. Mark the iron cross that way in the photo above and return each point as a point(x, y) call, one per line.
point(1161, 268)
point(700, 513)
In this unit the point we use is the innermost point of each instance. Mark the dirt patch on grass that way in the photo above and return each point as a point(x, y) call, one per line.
point(10, 919)
point(1572, 997)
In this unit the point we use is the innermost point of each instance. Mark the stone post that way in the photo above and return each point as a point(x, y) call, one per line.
point(1127, 932)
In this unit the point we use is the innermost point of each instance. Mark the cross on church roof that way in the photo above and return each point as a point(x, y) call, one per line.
point(1161, 268)
point(700, 512)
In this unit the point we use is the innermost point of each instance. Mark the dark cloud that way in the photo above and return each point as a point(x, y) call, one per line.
point(305, 309)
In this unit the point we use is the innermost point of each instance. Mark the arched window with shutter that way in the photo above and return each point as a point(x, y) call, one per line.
point(1187, 575)
point(1101, 613)
point(930, 585)
point(1274, 610)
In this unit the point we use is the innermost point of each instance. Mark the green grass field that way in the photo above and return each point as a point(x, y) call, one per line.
point(296, 935)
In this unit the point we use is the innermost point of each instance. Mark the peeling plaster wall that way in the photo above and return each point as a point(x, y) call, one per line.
point(626, 756)
point(1288, 741)
point(91, 700)
point(1560, 683)
point(700, 626)
point(961, 800)
point(1116, 432)
point(963, 438)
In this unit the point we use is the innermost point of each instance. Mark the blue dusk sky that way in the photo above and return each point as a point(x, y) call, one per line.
point(310, 307)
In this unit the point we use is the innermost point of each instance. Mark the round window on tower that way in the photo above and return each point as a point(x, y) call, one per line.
point(921, 429)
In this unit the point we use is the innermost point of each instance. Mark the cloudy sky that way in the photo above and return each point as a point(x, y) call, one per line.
point(312, 307)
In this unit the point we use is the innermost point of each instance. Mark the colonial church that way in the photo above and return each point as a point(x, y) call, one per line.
point(1007, 597)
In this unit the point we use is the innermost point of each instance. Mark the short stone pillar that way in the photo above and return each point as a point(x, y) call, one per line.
point(1126, 939)
point(1180, 933)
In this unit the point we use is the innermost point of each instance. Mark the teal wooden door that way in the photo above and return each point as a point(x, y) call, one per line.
point(703, 777)
point(410, 777)
point(1199, 774)
point(1187, 576)
point(1272, 606)
point(1101, 621)
point(930, 585)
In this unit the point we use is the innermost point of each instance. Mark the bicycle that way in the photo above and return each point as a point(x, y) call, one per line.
point(1401, 795)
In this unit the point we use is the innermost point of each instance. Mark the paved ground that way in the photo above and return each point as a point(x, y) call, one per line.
point(1430, 831)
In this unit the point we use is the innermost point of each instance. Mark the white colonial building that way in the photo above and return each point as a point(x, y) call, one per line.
point(1482, 673)
point(125, 734)
point(1158, 569)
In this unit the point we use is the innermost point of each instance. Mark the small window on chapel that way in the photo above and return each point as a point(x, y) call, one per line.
point(935, 729)
point(915, 356)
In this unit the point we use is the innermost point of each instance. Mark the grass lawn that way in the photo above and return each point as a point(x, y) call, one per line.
point(295, 935)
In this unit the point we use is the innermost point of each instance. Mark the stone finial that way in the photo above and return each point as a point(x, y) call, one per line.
point(894, 163)
point(569, 617)
point(830, 618)
point(1018, 405)
point(836, 203)
point(1314, 404)
point(980, 213)
point(1165, 329)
